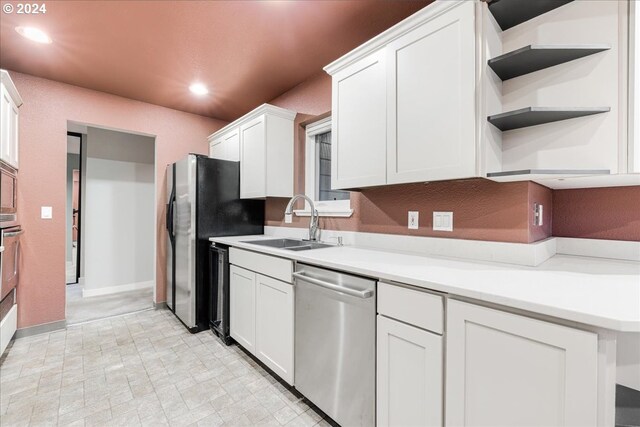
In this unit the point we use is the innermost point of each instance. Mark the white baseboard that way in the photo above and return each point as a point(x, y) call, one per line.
point(117, 289)
point(528, 254)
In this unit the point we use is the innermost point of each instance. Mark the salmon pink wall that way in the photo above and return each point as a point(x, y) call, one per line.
point(42, 180)
point(483, 210)
point(597, 213)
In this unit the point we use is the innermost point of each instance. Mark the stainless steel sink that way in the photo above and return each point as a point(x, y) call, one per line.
point(289, 244)
point(309, 245)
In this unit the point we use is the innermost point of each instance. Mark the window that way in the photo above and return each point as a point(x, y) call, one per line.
point(328, 202)
point(323, 170)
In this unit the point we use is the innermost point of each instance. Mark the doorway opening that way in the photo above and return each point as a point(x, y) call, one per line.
point(110, 222)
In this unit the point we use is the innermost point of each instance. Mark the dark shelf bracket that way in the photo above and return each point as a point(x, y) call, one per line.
point(532, 116)
point(509, 13)
point(537, 57)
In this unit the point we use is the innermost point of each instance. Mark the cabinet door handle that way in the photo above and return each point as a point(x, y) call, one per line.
point(332, 286)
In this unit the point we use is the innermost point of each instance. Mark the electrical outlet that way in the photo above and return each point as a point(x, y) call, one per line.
point(288, 218)
point(413, 220)
point(538, 213)
point(46, 212)
point(442, 221)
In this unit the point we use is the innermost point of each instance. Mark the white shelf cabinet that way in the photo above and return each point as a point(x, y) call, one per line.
point(589, 151)
point(226, 146)
point(10, 101)
point(359, 124)
point(242, 307)
point(504, 370)
point(431, 100)
point(274, 325)
point(409, 375)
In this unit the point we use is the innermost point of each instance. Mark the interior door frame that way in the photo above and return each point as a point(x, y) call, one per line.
point(79, 237)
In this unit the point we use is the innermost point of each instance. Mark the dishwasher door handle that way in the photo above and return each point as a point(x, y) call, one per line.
point(354, 293)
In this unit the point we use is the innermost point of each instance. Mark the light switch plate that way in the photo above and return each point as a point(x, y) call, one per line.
point(442, 221)
point(46, 212)
point(413, 221)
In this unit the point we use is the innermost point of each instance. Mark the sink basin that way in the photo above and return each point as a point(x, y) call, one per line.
point(289, 244)
point(277, 243)
point(308, 245)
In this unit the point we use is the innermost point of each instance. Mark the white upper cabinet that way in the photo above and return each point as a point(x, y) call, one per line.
point(226, 146)
point(404, 102)
point(359, 124)
point(431, 100)
point(253, 166)
point(507, 370)
point(262, 141)
point(10, 100)
point(545, 100)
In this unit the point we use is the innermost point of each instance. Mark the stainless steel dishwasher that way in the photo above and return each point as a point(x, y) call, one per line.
point(335, 326)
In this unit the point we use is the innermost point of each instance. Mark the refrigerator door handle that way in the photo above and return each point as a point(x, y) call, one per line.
point(170, 220)
point(173, 218)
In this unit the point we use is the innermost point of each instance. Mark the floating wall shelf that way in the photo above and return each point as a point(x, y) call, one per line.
point(541, 174)
point(537, 57)
point(532, 116)
point(509, 13)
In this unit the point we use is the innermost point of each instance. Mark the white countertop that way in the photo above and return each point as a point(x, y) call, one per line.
point(600, 292)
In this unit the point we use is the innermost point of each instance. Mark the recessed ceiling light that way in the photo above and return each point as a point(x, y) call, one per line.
point(34, 34)
point(199, 89)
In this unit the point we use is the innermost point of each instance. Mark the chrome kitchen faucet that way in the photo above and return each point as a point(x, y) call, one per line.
point(313, 222)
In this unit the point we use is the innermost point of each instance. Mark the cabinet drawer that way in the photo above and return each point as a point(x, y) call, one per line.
point(267, 265)
point(417, 308)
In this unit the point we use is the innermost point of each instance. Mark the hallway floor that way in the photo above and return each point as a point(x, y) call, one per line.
point(81, 309)
point(140, 369)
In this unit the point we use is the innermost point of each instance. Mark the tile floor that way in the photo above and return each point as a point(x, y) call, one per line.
point(80, 309)
point(140, 369)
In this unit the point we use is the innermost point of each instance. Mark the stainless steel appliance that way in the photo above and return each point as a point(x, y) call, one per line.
point(9, 260)
point(219, 286)
point(8, 196)
point(203, 202)
point(335, 318)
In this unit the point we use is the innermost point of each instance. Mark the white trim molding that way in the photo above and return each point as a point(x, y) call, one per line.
point(263, 109)
point(335, 208)
point(420, 17)
point(116, 289)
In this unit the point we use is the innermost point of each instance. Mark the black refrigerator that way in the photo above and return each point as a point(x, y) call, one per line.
point(203, 197)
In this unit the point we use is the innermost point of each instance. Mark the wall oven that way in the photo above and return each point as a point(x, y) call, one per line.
point(8, 196)
point(9, 260)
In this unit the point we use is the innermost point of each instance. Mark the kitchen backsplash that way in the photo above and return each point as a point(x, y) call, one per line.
point(597, 213)
point(482, 210)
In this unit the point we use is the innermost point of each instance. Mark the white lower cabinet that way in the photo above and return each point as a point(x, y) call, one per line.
point(409, 375)
point(262, 309)
point(508, 370)
point(242, 307)
point(274, 325)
